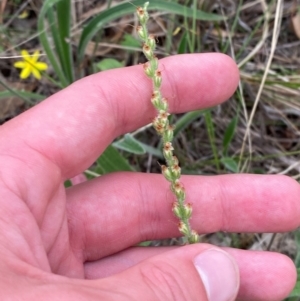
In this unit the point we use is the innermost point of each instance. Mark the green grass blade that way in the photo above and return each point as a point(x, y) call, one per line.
point(48, 4)
point(212, 138)
point(250, 37)
point(297, 239)
point(296, 290)
point(56, 38)
point(64, 29)
point(229, 134)
point(24, 95)
point(182, 44)
point(234, 26)
point(120, 10)
point(194, 30)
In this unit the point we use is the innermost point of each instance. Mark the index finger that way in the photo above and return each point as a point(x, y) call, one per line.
point(74, 126)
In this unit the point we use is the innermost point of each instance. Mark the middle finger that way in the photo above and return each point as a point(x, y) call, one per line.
point(119, 210)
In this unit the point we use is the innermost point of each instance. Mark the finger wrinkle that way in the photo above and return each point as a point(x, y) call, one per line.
point(225, 208)
point(147, 213)
point(169, 78)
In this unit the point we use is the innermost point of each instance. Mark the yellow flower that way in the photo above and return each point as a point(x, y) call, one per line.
point(30, 65)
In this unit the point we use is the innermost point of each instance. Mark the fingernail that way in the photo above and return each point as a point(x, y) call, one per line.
point(219, 274)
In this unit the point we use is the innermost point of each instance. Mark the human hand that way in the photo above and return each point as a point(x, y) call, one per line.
point(52, 240)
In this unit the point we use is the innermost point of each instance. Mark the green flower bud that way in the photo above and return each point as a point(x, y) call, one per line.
point(168, 134)
point(154, 63)
point(182, 212)
point(142, 14)
point(167, 173)
point(159, 126)
point(175, 160)
point(163, 116)
point(142, 33)
point(194, 238)
point(172, 161)
point(164, 104)
point(176, 210)
point(178, 190)
point(148, 52)
point(176, 171)
point(151, 41)
point(168, 152)
point(183, 228)
point(188, 210)
point(156, 101)
point(148, 70)
point(160, 104)
point(156, 93)
point(157, 79)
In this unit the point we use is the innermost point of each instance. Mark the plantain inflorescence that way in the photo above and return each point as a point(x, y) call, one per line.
point(171, 170)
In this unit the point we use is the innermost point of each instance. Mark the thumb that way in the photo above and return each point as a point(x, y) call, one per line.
point(195, 272)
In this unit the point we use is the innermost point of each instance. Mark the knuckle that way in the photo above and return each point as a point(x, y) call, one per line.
point(165, 282)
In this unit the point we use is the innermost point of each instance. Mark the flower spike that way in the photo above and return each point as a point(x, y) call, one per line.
point(171, 171)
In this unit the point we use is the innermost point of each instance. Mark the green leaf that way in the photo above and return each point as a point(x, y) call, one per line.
point(297, 239)
point(92, 27)
point(230, 164)
point(107, 64)
point(22, 95)
point(130, 144)
point(186, 120)
point(130, 41)
point(111, 160)
point(63, 9)
point(152, 150)
point(48, 5)
point(229, 134)
point(182, 44)
point(142, 148)
point(67, 183)
point(145, 243)
point(296, 290)
point(60, 25)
